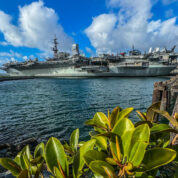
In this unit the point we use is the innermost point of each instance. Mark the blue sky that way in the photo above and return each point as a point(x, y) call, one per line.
point(27, 27)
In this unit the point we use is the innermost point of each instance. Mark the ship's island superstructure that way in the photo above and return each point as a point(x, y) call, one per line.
point(153, 63)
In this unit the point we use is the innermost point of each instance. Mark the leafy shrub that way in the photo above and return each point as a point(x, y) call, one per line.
point(117, 148)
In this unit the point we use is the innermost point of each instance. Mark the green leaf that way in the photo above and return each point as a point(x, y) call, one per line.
point(139, 142)
point(166, 143)
point(137, 153)
point(124, 114)
point(24, 162)
point(68, 149)
point(160, 139)
point(109, 172)
point(114, 114)
point(89, 122)
point(11, 165)
point(79, 158)
point(101, 142)
point(17, 159)
point(111, 161)
point(93, 133)
point(172, 120)
point(98, 167)
point(97, 176)
point(157, 157)
point(93, 155)
point(39, 150)
point(70, 159)
point(99, 129)
point(23, 174)
point(142, 175)
point(162, 128)
point(142, 116)
point(141, 133)
point(81, 143)
point(26, 150)
point(33, 169)
point(175, 147)
point(100, 120)
point(39, 170)
point(143, 122)
point(74, 138)
point(54, 153)
point(57, 173)
point(107, 134)
point(37, 160)
point(150, 114)
point(124, 129)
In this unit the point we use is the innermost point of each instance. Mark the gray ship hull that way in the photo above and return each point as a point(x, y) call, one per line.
point(114, 71)
point(63, 64)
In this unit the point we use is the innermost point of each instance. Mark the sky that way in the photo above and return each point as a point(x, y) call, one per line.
point(27, 27)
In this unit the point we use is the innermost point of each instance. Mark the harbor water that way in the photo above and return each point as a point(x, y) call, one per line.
point(42, 108)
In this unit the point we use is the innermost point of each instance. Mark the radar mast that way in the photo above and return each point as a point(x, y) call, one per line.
point(55, 49)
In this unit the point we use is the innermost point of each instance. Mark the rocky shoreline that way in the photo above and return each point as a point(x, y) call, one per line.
point(11, 150)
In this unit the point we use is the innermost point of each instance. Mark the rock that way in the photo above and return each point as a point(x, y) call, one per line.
point(9, 154)
point(3, 146)
point(11, 150)
point(6, 175)
point(32, 142)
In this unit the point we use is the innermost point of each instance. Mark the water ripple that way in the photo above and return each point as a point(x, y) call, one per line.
point(43, 108)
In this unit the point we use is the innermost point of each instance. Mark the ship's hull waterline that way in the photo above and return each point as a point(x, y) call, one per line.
point(71, 71)
point(62, 64)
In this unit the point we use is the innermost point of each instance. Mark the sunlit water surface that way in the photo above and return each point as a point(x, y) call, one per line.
point(42, 108)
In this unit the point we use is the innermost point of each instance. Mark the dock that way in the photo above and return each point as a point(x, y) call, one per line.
point(167, 93)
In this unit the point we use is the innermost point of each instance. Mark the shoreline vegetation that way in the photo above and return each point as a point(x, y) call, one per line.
point(117, 148)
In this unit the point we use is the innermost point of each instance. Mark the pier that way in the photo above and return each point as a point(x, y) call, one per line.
point(167, 93)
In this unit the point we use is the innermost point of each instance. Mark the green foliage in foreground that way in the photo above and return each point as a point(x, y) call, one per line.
point(117, 148)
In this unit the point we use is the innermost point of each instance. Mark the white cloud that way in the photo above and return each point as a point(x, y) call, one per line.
point(25, 58)
point(132, 25)
point(37, 25)
point(13, 56)
point(11, 53)
point(3, 60)
point(90, 51)
point(100, 31)
point(32, 56)
point(9, 56)
point(4, 43)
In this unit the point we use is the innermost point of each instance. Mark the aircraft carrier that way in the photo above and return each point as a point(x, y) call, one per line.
point(132, 64)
